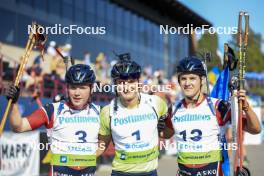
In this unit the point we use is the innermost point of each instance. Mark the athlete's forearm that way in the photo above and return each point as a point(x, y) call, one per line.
point(252, 125)
point(103, 143)
point(18, 123)
point(167, 133)
point(100, 149)
point(15, 118)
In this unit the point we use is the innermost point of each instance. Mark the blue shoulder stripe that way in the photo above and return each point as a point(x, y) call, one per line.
point(94, 108)
point(49, 108)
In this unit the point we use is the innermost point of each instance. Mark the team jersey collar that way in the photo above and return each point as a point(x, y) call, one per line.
point(185, 104)
point(71, 106)
point(133, 107)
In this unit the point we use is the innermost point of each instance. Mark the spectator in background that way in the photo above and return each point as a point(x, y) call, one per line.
point(146, 77)
point(52, 52)
point(112, 63)
point(160, 76)
point(66, 50)
point(87, 58)
point(34, 80)
point(57, 66)
point(174, 93)
point(159, 81)
point(51, 49)
point(101, 69)
point(148, 70)
point(1, 84)
point(37, 64)
point(54, 75)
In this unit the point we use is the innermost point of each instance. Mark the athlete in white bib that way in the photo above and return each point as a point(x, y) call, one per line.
point(72, 126)
point(130, 120)
point(198, 123)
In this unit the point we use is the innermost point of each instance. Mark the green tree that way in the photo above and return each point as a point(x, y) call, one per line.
point(209, 43)
point(254, 55)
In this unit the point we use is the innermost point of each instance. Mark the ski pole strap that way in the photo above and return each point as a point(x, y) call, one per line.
point(177, 107)
point(210, 104)
point(92, 106)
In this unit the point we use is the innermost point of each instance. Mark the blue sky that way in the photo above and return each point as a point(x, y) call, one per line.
point(225, 13)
